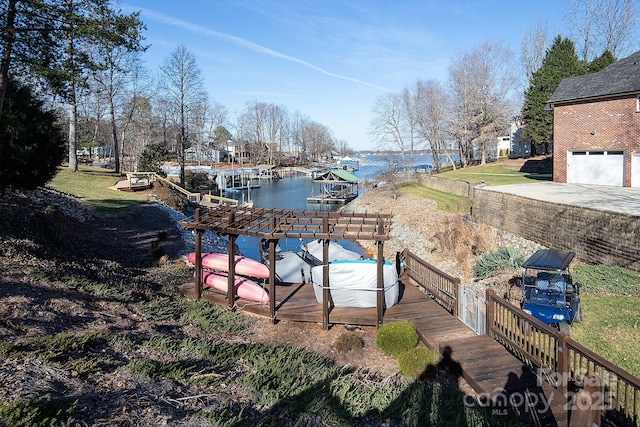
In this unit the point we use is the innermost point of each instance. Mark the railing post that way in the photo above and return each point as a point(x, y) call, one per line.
point(588, 403)
point(490, 312)
point(562, 363)
point(456, 287)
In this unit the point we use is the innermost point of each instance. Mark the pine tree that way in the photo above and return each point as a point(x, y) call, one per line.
point(601, 62)
point(33, 144)
point(560, 61)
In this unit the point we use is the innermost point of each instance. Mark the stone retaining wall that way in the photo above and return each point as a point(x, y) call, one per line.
point(597, 237)
point(452, 186)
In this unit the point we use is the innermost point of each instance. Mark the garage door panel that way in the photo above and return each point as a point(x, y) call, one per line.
point(596, 167)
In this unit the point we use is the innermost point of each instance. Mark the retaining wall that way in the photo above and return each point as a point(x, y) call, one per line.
point(597, 237)
point(451, 186)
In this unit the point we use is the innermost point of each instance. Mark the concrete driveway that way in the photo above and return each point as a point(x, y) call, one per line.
point(615, 199)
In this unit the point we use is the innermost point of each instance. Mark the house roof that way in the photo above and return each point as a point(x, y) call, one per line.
point(621, 77)
point(338, 175)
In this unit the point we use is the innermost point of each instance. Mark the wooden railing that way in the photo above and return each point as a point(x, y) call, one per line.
point(564, 362)
point(191, 197)
point(620, 398)
point(528, 338)
point(442, 287)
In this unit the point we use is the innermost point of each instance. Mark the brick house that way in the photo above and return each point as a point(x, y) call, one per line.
point(596, 126)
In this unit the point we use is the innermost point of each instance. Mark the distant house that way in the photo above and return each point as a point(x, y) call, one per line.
point(204, 155)
point(596, 126)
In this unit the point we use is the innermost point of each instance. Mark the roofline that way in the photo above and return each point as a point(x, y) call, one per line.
point(550, 104)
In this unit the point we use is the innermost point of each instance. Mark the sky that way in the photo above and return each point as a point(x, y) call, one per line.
point(329, 59)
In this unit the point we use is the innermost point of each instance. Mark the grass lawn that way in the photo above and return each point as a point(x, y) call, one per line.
point(92, 186)
point(446, 202)
point(610, 302)
point(493, 174)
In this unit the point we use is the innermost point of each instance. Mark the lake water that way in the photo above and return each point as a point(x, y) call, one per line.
point(291, 193)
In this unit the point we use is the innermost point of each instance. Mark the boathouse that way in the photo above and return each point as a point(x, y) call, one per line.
point(336, 186)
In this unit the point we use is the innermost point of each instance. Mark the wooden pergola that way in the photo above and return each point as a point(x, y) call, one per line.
point(271, 225)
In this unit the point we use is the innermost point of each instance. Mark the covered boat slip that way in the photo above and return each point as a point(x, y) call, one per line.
point(270, 225)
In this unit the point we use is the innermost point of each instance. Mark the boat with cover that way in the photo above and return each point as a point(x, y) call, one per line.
point(295, 266)
point(354, 283)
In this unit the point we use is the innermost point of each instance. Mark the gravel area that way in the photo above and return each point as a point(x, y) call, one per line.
point(451, 242)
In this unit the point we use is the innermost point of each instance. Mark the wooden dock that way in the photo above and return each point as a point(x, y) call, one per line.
point(498, 377)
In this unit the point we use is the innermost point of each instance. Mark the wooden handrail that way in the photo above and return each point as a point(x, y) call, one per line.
point(192, 197)
point(564, 361)
point(440, 285)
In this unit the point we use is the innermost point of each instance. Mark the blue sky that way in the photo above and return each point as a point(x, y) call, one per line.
point(329, 59)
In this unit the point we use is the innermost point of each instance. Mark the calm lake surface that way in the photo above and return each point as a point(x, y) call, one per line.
point(292, 193)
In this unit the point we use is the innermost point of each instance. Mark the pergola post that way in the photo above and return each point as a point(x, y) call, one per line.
point(380, 278)
point(326, 294)
point(272, 272)
point(231, 275)
point(198, 249)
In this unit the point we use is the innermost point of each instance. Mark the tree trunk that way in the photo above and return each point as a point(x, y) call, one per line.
point(73, 105)
point(9, 31)
point(114, 133)
point(73, 121)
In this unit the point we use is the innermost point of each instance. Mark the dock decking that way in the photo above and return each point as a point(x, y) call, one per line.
point(495, 374)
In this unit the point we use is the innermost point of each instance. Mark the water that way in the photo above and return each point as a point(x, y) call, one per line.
point(287, 193)
point(291, 193)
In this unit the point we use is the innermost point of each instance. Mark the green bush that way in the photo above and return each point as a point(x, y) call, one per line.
point(347, 342)
point(395, 337)
point(39, 412)
point(418, 362)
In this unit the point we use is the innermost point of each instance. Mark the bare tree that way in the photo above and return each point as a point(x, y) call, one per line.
point(136, 131)
point(218, 115)
point(581, 18)
point(431, 103)
point(265, 126)
point(389, 124)
point(603, 25)
point(482, 79)
point(319, 140)
point(297, 144)
point(617, 22)
point(535, 42)
point(184, 88)
point(410, 99)
point(342, 147)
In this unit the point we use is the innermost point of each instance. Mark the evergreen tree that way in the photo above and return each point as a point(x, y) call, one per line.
point(33, 144)
point(54, 40)
point(601, 62)
point(152, 158)
point(559, 62)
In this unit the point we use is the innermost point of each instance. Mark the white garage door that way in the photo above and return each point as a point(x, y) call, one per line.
point(635, 170)
point(596, 167)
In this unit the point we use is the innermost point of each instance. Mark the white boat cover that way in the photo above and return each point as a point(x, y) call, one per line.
point(336, 251)
point(353, 283)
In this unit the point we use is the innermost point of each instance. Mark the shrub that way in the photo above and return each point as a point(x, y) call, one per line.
point(503, 258)
point(395, 337)
point(347, 342)
point(38, 412)
point(418, 362)
point(32, 144)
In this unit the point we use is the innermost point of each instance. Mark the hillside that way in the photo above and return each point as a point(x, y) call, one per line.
point(92, 326)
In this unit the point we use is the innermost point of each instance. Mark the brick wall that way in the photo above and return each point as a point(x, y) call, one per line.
point(597, 237)
point(612, 124)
